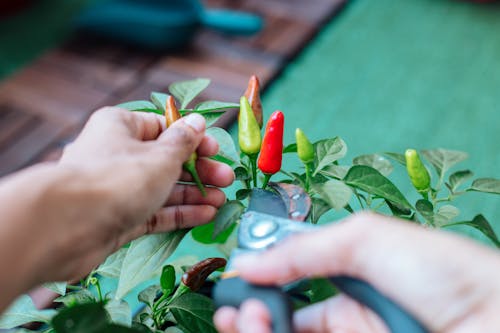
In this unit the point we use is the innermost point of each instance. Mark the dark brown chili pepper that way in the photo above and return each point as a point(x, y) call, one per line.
point(195, 277)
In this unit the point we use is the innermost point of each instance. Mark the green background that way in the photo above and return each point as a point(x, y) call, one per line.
point(384, 75)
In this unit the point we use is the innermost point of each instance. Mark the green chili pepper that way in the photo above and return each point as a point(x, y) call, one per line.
point(249, 137)
point(272, 146)
point(417, 171)
point(253, 95)
point(172, 115)
point(305, 149)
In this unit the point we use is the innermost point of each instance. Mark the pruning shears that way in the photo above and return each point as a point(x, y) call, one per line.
point(271, 217)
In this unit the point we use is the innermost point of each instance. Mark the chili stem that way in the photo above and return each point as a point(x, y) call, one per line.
point(308, 176)
point(253, 161)
point(267, 176)
point(190, 167)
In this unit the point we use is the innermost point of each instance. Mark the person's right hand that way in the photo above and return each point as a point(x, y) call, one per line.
point(449, 283)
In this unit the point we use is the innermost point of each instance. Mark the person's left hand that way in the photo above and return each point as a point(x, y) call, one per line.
point(120, 182)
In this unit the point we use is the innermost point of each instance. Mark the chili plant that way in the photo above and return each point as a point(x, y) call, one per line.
point(169, 303)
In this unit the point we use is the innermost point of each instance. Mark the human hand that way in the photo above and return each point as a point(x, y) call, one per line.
point(121, 183)
point(450, 284)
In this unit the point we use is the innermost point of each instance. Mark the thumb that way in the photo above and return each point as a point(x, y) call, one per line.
point(183, 137)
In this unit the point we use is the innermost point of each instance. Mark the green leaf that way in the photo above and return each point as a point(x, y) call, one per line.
point(443, 159)
point(119, 312)
point(328, 151)
point(112, 266)
point(335, 171)
point(186, 91)
point(227, 215)
point(458, 178)
point(144, 257)
point(291, 148)
point(319, 207)
point(321, 289)
point(376, 161)
point(77, 297)
point(480, 223)
point(241, 173)
point(371, 181)
point(227, 149)
point(115, 328)
point(243, 193)
point(212, 117)
point(335, 193)
point(487, 185)
point(173, 329)
point(203, 234)
point(143, 106)
point(400, 158)
point(167, 279)
point(23, 311)
point(445, 214)
point(159, 100)
point(397, 210)
point(148, 295)
point(426, 209)
point(193, 313)
point(209, 106)
point(84, 318)
point(57, 287)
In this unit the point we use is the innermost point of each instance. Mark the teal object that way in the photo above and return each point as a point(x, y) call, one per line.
point(161, 24)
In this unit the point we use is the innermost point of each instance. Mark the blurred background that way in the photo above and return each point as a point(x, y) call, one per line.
point(384, 75)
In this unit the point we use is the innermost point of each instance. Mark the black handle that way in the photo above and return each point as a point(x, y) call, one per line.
point(234, 291)
point(396, 318)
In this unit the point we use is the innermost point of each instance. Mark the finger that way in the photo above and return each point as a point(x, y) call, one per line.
point(208, 147)
point(191, 195)
point(406, 262)
point(225, 320)
point(212, 173)
point(179, 217)
point(253, 317)
point(117, 121)
point(337, 314)
point(179, 141)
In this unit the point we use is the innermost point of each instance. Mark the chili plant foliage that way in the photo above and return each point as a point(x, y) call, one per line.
point(173, 304)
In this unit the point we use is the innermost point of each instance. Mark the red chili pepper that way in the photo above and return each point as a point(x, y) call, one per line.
point(272, 146)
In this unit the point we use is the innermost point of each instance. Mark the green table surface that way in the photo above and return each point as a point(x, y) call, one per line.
point(388, 75)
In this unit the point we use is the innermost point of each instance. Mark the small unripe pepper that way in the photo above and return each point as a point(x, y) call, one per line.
point(253, 95)
point(272, 146)
point(249, 137)
point(417, 171)
point(195, 277)
point(172, 114)
point(305, 149)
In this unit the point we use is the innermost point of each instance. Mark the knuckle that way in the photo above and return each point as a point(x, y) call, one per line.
point(178, 218)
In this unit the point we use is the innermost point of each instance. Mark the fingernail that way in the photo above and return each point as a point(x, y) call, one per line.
point(196, 121)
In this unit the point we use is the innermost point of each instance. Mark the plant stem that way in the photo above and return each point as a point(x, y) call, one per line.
point(191, 168)
point(266, 180)
point(308, 176)
point(359, 199)
point(99, 292)
point(253, 163)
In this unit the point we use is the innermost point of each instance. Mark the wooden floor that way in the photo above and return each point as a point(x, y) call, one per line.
point(45, 105)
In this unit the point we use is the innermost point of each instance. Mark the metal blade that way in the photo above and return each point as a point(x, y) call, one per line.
point(267, 202)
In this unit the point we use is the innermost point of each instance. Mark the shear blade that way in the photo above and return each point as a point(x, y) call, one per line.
point(267, 202)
